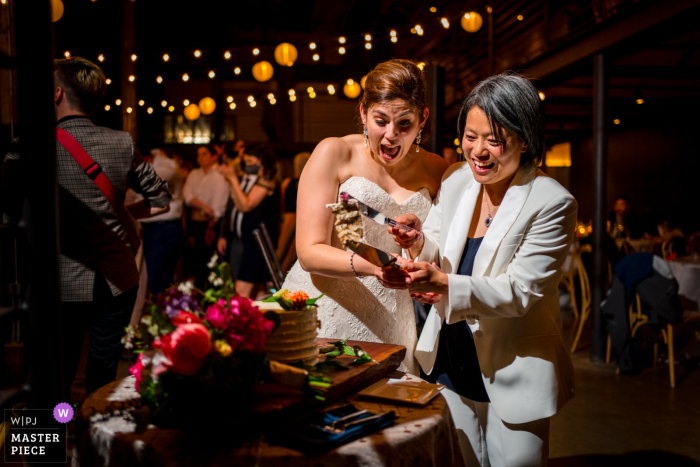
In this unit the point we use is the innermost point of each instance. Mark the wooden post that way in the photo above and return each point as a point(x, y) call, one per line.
point(128, 88)
point(435, 96)
point(600, 179)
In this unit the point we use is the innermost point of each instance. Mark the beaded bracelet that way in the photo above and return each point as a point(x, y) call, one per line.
point(352, 266)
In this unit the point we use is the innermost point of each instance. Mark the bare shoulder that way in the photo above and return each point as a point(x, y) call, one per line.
point(434, 168)
point(338, 149)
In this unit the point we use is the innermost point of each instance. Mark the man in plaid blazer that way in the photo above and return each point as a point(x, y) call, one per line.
point(98, 275)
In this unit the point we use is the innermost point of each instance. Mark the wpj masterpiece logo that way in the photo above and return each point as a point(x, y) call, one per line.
point(36, 435)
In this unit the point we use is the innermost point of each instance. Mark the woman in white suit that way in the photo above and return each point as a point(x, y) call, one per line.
point(490, 260)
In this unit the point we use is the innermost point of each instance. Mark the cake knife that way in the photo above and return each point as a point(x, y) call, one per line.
point(380, 218)
point(373, 255)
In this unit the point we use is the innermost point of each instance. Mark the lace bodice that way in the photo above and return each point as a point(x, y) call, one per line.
point(363, 309)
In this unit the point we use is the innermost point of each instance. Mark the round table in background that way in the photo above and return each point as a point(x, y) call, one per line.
point(686, 270)
point(421, 436)
point(639, 245)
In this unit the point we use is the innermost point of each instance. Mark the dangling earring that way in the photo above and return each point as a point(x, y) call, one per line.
point(420, 133)
point(364, 133)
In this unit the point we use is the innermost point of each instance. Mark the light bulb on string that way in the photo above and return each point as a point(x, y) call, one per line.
point(185, 77)
point(107, 107)
point(134, 57)
point(445, 23)
point(118, 102)
point(270, 96)
point(227, 55)
point(237, 71)
point(164, 103)
point(273, 101)
point(129, 110)
point(368, 37)
point(251, 98)
point(421, 65)
point(310, 89)
point(433, 9)
point(232, 106)
point(109, 81)
point(312, 46)
point(292, 98)
point(132, 78)
point(212, 74)
point(331, 89)
point(101, 58)
point(142, 103)
point(520, 17)
point(394, 39)
point(542, 96)
point(419, 30)
point(253, 104)
point(186, 102)
point(66, 54)
point(256, 51)
point(166, 57)
point(341, 50)
point(312, 95)
point(292, 92)
point(149, 110)
point(197, 53)
point(368, 45)
point(171, 108)
point(316, 57)
point(159, 79)
point(229, 99)
point(341, 39)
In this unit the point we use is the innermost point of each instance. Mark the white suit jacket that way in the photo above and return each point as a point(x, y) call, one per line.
point(510, 301)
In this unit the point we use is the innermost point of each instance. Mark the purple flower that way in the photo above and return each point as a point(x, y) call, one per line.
point(174, 300)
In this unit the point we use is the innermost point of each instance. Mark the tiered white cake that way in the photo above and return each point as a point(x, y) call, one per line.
point(295, 338)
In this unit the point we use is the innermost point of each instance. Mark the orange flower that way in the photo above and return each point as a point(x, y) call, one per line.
point(298, 299)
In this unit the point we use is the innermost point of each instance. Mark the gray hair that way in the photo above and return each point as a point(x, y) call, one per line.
point(510, 101)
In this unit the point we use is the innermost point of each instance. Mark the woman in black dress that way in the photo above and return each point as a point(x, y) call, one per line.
point(255, 202)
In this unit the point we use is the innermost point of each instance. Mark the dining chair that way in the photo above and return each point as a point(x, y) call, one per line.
point(271, 262)
point(568, 278)
point(585, 289)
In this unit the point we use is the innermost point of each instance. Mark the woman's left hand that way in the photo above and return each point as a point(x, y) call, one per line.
point(427, 298)
point(392, 277)
point(426, 278)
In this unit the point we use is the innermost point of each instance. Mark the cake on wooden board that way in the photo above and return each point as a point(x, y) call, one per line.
point(295, 339)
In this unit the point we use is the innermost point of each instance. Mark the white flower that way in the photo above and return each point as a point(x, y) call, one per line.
point(212, 277)
point(186, 287)
point(218, 282)
point(212, 261)
point(146, 320)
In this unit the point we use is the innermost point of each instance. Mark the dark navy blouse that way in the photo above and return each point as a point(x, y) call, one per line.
point(457, 365)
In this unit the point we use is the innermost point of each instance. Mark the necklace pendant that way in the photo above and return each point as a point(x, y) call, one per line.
point(488, 221)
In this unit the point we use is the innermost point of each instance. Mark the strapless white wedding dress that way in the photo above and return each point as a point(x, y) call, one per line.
point(362, 309)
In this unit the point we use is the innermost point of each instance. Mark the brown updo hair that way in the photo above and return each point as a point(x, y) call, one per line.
point(397, 79)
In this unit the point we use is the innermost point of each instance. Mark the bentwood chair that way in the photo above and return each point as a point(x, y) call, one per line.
point(693, 244)
point(585, 284)
point(568, 278)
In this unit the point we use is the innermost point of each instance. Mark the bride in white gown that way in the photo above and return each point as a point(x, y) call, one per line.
point(386, 170)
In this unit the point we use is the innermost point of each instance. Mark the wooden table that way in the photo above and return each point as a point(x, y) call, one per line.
point(421, 436)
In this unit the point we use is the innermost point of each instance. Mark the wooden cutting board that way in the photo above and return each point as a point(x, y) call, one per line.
point(280, 401)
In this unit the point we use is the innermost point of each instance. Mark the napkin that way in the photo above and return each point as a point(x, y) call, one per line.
point(305, 435)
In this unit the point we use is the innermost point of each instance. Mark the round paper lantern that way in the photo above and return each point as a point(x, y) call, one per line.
point(262, 71)
point(191, 112)
point(56, 10)
point(362, 81)
point(285, 54)
point(352, 89)
point(207, 105)
point(472, 21)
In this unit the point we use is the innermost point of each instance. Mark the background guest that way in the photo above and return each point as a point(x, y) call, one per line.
point(254, 203)
point(206, 193)
point(162, 234)
point(286, 249)
point(97, 269)
point(624, 222)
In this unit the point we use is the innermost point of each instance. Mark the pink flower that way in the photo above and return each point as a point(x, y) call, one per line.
point(187, 348)
point(218, 315)
point(248, 329)
point(136, 370)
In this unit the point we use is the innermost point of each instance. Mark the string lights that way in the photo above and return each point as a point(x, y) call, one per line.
point(285, 54)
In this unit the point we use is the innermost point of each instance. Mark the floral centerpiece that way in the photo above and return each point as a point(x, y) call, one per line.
point(209, 347)
point(200, 345)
